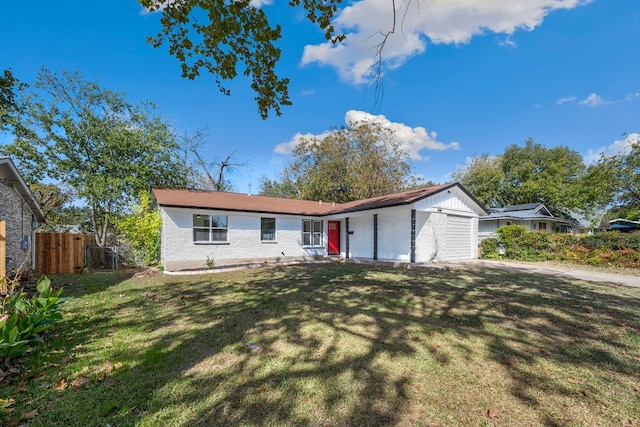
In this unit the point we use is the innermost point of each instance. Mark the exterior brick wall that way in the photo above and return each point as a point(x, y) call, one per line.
point(433, 234)
point(179, 252)
point(17, 215)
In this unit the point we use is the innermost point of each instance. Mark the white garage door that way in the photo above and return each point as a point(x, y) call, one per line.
point(458, 237)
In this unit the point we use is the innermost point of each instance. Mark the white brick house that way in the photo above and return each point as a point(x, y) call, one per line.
point(21, 214)
point(431, 224)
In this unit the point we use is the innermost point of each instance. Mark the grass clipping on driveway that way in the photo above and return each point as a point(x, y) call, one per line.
point(335, 345)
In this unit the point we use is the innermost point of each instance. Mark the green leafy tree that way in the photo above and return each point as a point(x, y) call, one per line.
point(52, 199)
point(223, 38)
point(141, 229)
point(9, 106)
point(285, 187)
point(350, 163)
point(483, 177)
point(627, 165)
point(94, 140)
point(619, 180)
point(531, 173)
point(535, 173)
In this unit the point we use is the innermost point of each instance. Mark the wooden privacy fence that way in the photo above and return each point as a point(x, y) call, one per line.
point(61, 253)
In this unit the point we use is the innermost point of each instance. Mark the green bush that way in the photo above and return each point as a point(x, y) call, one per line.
point(519, 243)
point(605, 249)
point(490, 248)
point(23, 319)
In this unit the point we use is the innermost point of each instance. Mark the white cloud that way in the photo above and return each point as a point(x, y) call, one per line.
point(632, 96)
point(286, 148)
point(565, 99)
point(507, 42)
point(617, 147)
point(593, 100)
point(411, 140)
point(259, 3)
point(418, 22)
point(160, 5)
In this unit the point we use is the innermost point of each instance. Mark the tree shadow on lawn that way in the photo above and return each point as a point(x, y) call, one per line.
point(357, 345)
point(80, 284)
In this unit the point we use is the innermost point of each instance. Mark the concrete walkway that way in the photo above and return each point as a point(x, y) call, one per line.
point(553, 270)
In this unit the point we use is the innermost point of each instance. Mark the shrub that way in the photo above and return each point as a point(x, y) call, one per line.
point(24, 318)
point(519, 243)
point(490, 248)
point(604, 250)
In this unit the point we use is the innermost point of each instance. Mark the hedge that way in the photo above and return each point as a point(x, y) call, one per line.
point(612, 249)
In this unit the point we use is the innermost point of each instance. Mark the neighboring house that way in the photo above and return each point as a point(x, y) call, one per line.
point(534, 216)
point(20, 215)
point(200, 228)
point(624, 225)
point(598, 223)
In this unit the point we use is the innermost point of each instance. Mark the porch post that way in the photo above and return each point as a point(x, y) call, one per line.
point(375, 237)
point(413, 236)
point(346, 238)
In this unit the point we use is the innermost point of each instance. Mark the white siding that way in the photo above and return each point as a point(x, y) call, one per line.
point(361, 241)
point(394, 234)
point(431, 231)
point(244, 244)
point(450, 200)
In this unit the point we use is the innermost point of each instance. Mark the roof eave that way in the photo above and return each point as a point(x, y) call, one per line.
point(23, 190)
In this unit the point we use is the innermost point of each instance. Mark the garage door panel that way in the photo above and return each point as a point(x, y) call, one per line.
point(458, 237)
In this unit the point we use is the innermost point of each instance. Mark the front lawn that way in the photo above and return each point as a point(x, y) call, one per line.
point(334, 345)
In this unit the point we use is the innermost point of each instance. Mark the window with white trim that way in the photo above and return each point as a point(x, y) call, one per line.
point(311, 232)
point(210, 228)
point(267, 229)
point(542, 226)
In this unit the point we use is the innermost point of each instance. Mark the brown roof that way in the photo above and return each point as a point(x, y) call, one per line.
point(185, 198)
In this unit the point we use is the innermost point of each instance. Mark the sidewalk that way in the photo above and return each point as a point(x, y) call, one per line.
point(554, 270)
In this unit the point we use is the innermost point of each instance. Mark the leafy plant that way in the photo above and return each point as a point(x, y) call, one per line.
point(490, 248)
point(210, 262)
point(23, 319)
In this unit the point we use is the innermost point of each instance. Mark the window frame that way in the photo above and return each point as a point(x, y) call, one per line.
point(542, 226)
point(313, 234)
point(211, 230)
point(264, 230)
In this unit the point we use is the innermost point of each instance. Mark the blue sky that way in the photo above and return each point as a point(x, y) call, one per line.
point(461, 77)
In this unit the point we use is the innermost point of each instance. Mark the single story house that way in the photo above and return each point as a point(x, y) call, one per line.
point(534, 216)
point(205, 228)
point(20, 215)
point(624, 225)
point(597, 223)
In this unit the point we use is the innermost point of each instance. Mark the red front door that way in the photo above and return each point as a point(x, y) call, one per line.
point(333, 233)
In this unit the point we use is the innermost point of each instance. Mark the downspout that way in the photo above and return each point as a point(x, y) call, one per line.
point(34, 227)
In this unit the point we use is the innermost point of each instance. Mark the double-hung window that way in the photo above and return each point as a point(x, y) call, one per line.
point(209, 228)
point(311, 232)
point(267, 229)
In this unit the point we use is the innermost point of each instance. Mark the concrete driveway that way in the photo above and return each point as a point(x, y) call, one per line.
point(553, 270)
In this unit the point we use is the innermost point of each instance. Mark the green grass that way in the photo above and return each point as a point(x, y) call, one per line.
point(340, 344)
